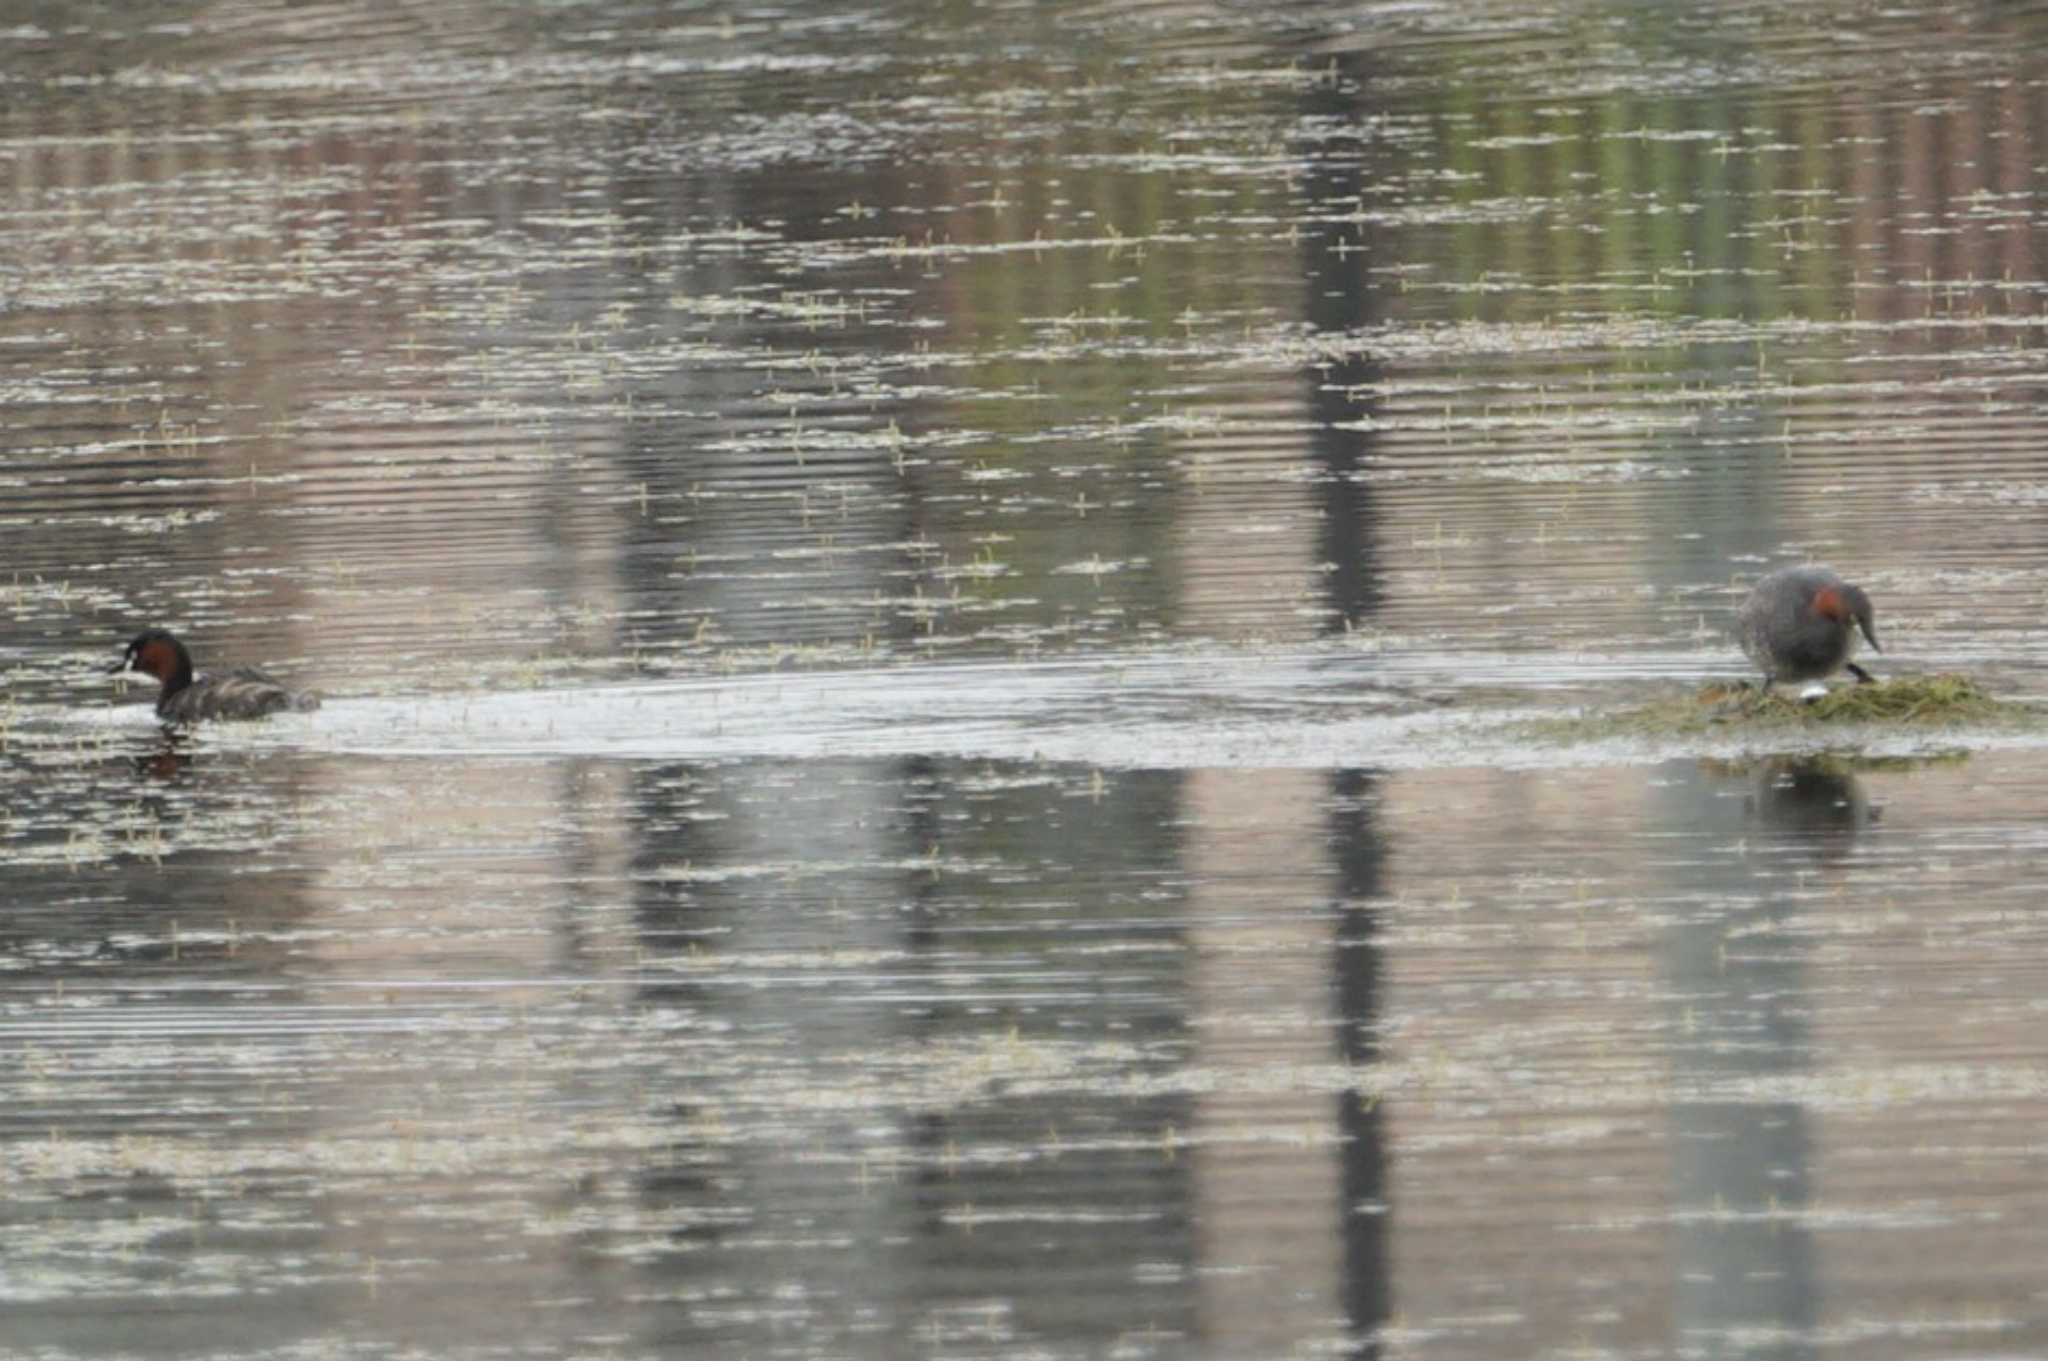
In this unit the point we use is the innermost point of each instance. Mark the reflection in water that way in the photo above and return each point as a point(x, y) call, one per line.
point(1814, 799)
point(706, 388)
point(168, 760)
point(1339, 262)
point(879, 980)
point(1288, 362)
point(1357, 859)
point(919, 1057)
point(1741, 1179)
point(1338, 300)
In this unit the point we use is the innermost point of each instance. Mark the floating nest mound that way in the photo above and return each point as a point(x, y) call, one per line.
point(1735, 707)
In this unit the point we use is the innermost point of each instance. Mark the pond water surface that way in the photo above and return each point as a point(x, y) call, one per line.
point(921, 610)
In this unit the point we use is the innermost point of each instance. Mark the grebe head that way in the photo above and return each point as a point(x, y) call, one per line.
point(157, 653)
point(1859, 609)
point(1844, 605)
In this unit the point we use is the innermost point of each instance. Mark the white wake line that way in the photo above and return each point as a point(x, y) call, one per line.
point(1302, 710)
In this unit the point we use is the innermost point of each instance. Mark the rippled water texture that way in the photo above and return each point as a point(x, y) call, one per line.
point(923, 611)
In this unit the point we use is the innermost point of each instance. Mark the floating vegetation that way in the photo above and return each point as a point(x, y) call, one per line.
point(1945, 700)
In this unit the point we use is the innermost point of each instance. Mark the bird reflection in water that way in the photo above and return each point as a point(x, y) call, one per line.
point(167, 760)
point(1811, 798)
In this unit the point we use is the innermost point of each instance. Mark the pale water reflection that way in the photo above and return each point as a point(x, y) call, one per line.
point(825, 1057)
point(922, 611)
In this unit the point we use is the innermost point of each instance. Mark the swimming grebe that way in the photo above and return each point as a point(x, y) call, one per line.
point(1797, 625)
point(243, 693)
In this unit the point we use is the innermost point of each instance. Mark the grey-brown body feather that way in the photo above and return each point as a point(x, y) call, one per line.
point(242, 693)
point(1788, 638)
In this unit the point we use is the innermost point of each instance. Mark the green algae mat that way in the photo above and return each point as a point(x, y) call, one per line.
point(1734, 708)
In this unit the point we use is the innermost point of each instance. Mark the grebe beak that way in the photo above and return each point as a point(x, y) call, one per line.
point(118, 667)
